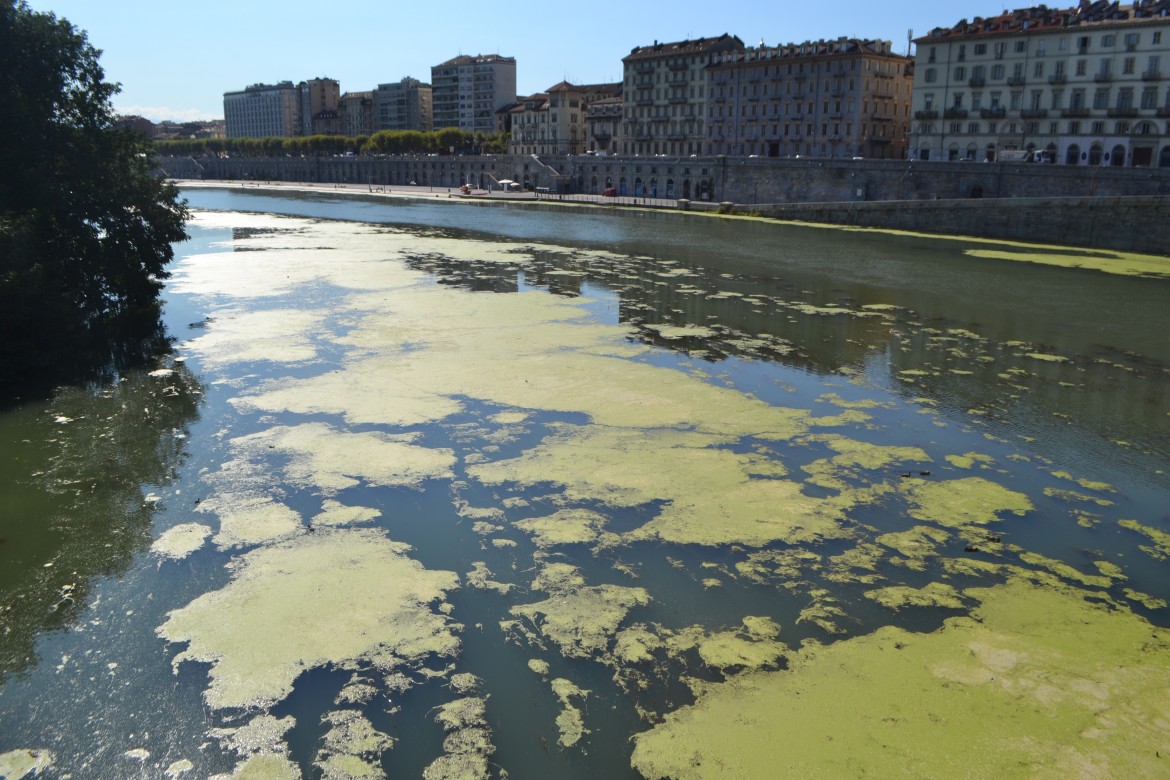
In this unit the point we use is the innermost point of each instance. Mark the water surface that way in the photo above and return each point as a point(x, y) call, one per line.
point(475, 490)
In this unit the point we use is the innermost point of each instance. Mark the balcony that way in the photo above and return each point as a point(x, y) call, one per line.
point(926, 115)
point(1074, 113)
point(881, 117)
point(1016, 81)
point(1058, 78)
point(955, 113)
point(1034, 113)
point(1152, 75)
point(977, 81)
point(644, 67)
point(1121, 113)
point(1102, 78)
point(1163, 112)
point(677, 65)
point(993, 113)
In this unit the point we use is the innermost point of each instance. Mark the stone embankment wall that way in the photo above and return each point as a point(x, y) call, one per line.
point(1103, 207)
point(1128, 224)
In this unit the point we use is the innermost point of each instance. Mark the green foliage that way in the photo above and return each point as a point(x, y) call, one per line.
point(86, 224)
point(383, 142)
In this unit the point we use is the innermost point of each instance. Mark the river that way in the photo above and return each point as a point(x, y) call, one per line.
point(449, 489)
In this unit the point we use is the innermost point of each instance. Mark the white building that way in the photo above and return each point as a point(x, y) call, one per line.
point(263, 111)
point(467, 91)
point(1082, 86)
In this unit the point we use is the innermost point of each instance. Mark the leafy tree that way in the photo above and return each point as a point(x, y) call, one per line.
point(86, 223)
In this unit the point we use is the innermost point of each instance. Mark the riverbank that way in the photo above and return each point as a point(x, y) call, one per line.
point(1042, 229)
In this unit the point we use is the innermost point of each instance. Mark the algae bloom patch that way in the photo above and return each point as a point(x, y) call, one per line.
point(327, 598)
point(1038, 682)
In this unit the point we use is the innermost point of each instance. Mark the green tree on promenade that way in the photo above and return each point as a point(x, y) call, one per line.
point(86, 224)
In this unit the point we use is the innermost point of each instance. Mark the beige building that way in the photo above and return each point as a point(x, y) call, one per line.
point(403, 105)
point(467, 91)
point(842, 98)
point(1088, 85)
point(555, 122)
point(603, 122)
point(320, 107)
point(665, 89)
point(357, 113)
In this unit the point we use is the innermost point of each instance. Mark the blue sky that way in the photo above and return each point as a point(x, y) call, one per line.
point(175, 60)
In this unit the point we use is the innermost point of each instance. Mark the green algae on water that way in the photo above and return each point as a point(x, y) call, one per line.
point(180, 541)
point(333, 597)
point(1036, 682)
point(20, 764)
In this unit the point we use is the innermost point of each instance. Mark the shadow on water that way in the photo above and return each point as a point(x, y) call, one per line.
point(76, 468)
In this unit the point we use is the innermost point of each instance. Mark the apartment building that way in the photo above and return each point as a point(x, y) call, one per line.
point(665, 89)
point(263, 111)
point(842, 98)
point(403, 105)
point(357, 113)
point(320, 107)
point(554, 122)
point(468, 90)
point(1088, 85)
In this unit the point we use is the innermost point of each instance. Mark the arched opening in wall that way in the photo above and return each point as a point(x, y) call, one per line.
point(972, 151)
point(1049, 153)
point(593, 184)
point(670, 188)
point(1096, 152)
point(1073, 155)
point(687, 187)
point(924, 153)
point(654, 188)
point(1164, 157)
point(608, 182)
point(623, 186)
point(1142, 144)
point(1117, 156)
point(638, 187)
point(989, 153)
point(953, 152)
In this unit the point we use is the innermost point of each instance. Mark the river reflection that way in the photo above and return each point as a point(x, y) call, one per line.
point(464, 491)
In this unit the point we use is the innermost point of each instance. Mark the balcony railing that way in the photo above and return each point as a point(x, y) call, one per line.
point(1034, 113)
point(976, 81)
point(1074, 113)
point(993, 113)
point(1058, 78)
point(1016, 81)
point(928, 114)
point(1152, 75)
point(955, 113)
point(1102, 77)
point(1120, 113)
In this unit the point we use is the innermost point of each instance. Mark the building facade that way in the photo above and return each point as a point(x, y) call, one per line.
point(263, 111)
point(554, 122)
point(842, 98)
point(320, 107)
point(403, 105)
point(1082, 86)
point(468, 90)
point(357, 113)
point(665, 89)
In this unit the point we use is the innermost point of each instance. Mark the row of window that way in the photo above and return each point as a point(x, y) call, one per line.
point(1105, 69)
point(1103, 98)
point(1074, 127)
point(1082, 44)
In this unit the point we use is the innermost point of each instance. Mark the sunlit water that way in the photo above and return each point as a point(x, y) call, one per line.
point(1044, 383)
